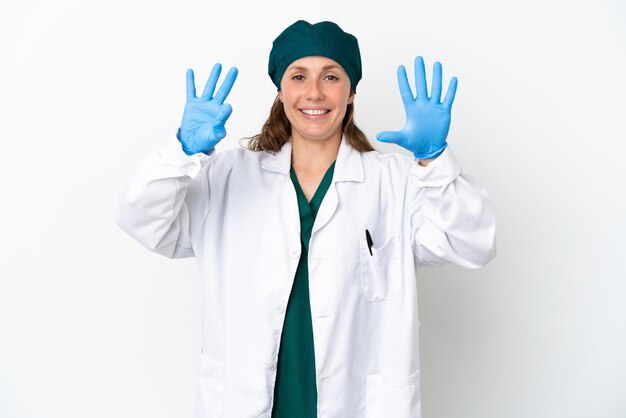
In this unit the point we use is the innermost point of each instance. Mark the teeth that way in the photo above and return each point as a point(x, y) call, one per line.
point(314, 111)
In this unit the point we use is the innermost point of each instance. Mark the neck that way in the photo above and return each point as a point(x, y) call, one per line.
point(314, 156)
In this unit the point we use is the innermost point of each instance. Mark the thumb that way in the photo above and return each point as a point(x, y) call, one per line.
point(223, 114)
point(394, 137)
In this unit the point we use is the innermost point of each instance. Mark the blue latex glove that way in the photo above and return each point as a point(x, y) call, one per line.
point(427, 120)
point(204, 117)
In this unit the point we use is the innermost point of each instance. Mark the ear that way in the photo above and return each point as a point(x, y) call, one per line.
point(280, 97)
point(351, 97)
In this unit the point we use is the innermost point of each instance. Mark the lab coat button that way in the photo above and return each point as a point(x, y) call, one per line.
point(295, 252)
point(264, 416)
point(281, 308)
point(271, 365)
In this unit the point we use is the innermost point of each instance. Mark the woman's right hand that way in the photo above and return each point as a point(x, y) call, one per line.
point(204, 117)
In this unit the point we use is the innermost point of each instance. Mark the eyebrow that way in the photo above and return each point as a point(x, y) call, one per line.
point(324, 68)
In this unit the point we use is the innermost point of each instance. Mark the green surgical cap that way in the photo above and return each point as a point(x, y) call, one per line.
point(325, 39)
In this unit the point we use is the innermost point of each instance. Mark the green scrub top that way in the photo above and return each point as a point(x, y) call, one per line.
point(295, 393)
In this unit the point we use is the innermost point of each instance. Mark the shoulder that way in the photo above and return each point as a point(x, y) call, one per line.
point(392, 164)
point(239, 157)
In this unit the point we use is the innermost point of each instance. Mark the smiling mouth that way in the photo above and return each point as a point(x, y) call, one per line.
point(314, 112)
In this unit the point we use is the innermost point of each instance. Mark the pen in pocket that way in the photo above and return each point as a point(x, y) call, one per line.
point(370, 243)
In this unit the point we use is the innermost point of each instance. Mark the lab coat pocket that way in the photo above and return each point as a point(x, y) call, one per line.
point(210, 388)
point(380, 272)
point(393, 396)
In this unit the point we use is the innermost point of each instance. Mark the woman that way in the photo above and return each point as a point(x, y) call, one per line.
point(308, 241)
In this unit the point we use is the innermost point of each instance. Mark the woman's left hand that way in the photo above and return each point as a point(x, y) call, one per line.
point(427, 120)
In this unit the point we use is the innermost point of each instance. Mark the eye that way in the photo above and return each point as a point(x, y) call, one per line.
point(297, 77)
point(332, 77)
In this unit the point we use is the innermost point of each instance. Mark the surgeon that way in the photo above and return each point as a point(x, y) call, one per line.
point(308, 241)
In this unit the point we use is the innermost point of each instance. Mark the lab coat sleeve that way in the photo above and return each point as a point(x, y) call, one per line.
point(165, 198)
point(452, 218)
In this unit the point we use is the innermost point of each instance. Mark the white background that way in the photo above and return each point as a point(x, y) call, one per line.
point(93, 325)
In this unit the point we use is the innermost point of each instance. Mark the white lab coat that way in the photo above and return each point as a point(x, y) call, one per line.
point(237, 213)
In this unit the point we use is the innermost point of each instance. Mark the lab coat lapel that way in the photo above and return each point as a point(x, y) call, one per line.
point(279, 162)
point(285, 192)
point(349, 167)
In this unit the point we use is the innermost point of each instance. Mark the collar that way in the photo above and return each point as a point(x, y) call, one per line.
point(279, 162)
point(349, 165)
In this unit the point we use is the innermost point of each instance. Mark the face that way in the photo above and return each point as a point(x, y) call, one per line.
point(315, 92)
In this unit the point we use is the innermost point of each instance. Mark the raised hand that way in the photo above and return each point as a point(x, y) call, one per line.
point(427, 120)
point(204, 117)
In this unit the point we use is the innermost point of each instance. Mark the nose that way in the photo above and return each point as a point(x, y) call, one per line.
point(315, 92)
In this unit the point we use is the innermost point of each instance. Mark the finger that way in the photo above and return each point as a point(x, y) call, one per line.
point(209, 87)
point(222, 93)
point(449, 99)
point(219, 132)
point(405, 88)
point(394, 137)
point(191, 86)
point(435, 89)
point(223, 114)
point(420, 79)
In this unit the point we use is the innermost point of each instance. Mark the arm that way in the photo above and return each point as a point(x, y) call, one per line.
point(424, 163)
point(452, 219)
point(167, 199)
point(157, 206)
